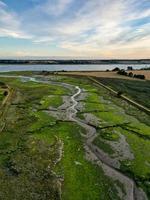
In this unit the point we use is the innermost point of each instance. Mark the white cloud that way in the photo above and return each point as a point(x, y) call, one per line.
point(2, 4)
point(50, 7)
point(110, 30)
point(59, 7)
point(10, 26)
point(43, 40)
point(97, 27)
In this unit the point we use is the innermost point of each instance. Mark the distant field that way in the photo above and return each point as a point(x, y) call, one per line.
point(137, 90)
point(95, 74)
point(109, 74)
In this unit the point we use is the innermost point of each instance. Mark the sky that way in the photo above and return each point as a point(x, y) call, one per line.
point(104, 29)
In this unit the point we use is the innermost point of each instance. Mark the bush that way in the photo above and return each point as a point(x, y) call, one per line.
point(2, 84)
point(140, 76)
point(119, 93)
point(5, 93)
point(130, 74)
point(122, 72)
point(116, 69)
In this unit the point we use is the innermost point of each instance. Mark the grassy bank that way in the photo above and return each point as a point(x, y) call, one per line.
point(137, 90)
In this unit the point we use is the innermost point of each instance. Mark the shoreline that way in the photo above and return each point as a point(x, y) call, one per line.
point(82, 73)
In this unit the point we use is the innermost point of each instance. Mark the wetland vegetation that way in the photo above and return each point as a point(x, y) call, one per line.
point(103, 153)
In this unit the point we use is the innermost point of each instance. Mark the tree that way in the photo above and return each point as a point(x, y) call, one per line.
point(129, 68)
point(122, 72)
point(130, 74)
point(119, 93)
point(116, 69)
point(5, 93)
point(140, 76)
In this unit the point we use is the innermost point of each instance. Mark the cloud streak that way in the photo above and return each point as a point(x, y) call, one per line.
point(96, 28)
point(9, 24)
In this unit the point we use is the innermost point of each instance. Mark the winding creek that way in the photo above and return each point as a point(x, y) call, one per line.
point(93, 153)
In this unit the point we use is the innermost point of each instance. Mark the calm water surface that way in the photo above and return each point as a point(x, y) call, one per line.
point(6, 68)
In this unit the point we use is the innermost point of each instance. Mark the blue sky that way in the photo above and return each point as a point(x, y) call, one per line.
point(75, 28)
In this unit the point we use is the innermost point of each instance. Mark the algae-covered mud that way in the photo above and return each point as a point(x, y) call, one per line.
point(68, 138)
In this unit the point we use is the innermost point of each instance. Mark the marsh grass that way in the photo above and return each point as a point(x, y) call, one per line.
point(29, 149)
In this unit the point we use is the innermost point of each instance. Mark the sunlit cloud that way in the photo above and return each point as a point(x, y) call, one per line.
point(101, 28)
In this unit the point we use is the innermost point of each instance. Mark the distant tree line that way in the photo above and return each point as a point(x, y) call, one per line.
point(145, 68)
point(72, 61)
point(130, 74)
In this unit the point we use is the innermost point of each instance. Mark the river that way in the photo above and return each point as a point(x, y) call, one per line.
point(6, 68)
